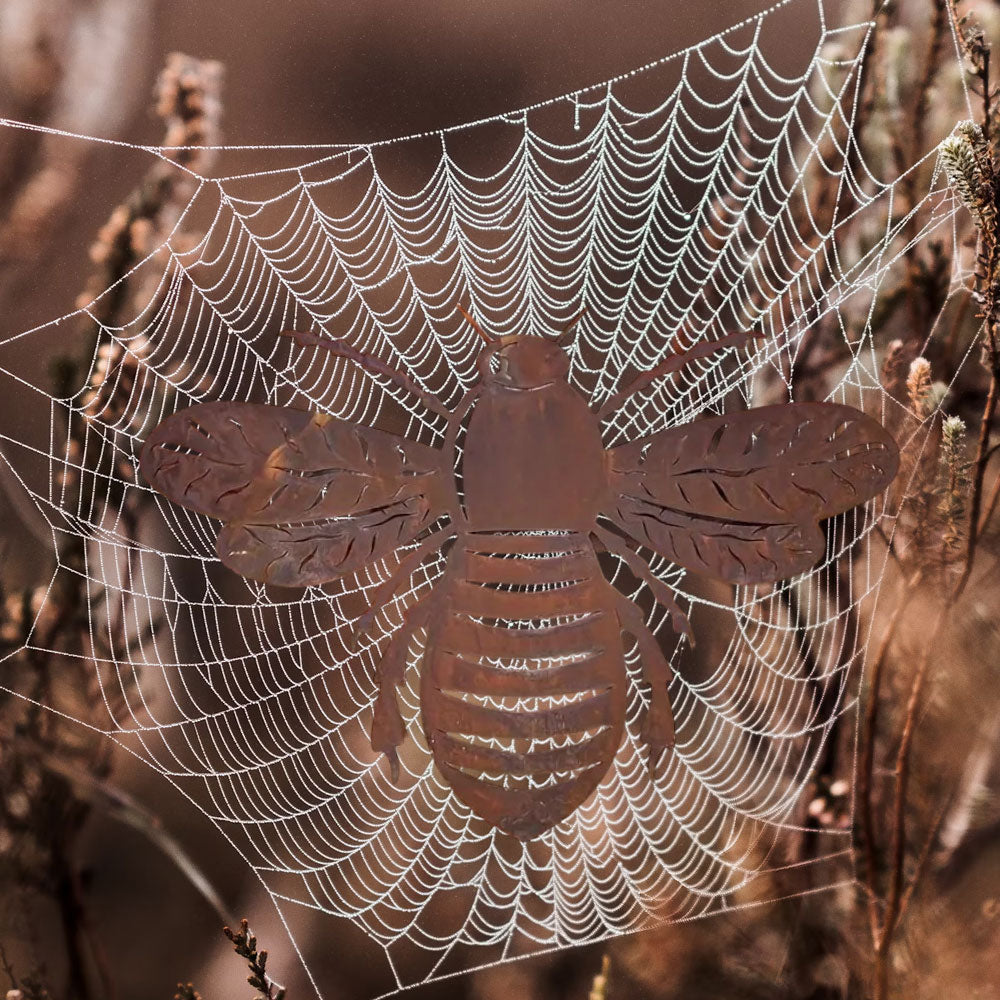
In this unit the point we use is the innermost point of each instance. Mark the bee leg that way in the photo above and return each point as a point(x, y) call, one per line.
point(674, 363)
point(658, 727)
point(661, 591)
point(388, 730)
point(400, 575)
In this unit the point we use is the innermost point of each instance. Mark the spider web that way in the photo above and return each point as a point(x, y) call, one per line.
point(677, 204)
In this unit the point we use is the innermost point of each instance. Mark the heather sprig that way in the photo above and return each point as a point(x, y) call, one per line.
point(245, 945)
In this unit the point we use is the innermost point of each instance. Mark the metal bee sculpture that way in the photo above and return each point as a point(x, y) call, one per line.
point(523, 683)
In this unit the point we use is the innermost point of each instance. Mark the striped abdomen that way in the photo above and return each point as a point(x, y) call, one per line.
point(523, 686)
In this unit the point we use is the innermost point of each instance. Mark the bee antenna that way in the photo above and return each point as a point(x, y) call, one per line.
point(475, 326)
point(564, 339)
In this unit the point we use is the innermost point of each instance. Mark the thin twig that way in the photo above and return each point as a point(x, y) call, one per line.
point(918, 119)
point(897, 851)
point(866, 762)
point(923, 859)
point(991, 504)
point(979, 464)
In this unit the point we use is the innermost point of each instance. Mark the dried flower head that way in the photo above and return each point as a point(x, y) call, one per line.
point(894, 369)
point(918, 386)
point(968, 164)
point(959, 162)
point(953, 483)
point(599, 987)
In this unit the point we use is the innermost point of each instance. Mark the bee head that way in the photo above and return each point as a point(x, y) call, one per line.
point(523, 362)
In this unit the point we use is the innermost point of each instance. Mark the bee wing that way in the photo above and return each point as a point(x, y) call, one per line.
point(315, 552)
point(740, 496)
point(308, 497)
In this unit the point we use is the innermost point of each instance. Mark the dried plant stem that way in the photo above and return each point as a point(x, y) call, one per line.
point(90, 787)
point(923, 859)
point(918, 118)
point(890, 918)
point(978, 53)
point(885, 919)
point(866, 761)
point(885, 924)
point(885, 912)
point(991, 504)
point(78, 930)
point(979, 464)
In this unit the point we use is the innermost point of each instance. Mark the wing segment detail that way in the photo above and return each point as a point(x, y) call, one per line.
point(740, 496)
point(307, 497)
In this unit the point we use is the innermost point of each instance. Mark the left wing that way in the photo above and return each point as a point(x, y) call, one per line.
point(307, 498)
point(739, 497)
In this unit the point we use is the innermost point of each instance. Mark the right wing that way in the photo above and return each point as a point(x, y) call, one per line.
point(739, 497)
point(307, 498)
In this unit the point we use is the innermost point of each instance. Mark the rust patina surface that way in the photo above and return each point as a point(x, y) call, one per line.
point(523, 684)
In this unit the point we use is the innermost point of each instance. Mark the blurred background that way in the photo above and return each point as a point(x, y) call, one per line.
point(109, 857)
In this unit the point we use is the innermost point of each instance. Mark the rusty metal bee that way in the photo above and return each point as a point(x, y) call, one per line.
point(523, 683)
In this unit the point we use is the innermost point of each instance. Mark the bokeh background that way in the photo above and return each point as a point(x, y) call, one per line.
point(306, 71)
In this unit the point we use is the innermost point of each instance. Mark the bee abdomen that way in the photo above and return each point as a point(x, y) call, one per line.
point(464, 756)
point(457, 674)
point(522, 701)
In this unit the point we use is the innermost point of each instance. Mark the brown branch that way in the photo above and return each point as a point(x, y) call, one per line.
point(866, 761)
point(894, 898)
point(918, 118)
point(899, 893)
point(78, 932)
point(922, 860)
point(991, 504)
point(979, 464)
point(884, 925)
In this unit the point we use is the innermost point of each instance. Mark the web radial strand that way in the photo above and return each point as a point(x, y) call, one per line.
point(677, 205)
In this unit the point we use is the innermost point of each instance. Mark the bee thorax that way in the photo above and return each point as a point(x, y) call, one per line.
point(533, 460)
